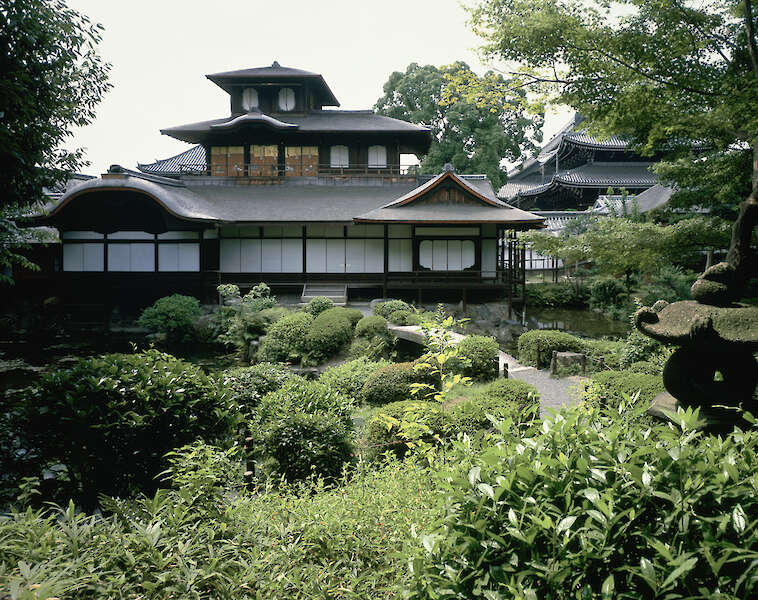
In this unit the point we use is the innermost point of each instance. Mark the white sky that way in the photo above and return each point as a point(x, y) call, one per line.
point(161, 50)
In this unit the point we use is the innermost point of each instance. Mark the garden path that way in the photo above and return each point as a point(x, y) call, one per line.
point(554, 393)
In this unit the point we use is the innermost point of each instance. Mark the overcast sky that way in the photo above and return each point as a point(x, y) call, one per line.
point(161, 50)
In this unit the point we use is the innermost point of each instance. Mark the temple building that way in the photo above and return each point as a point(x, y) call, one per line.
point(574, 169)
point(289, 191)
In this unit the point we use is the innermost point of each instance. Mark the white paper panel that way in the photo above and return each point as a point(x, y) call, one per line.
point(142, 257)
point(168, 257)
point(229, 256)
point(73, 257)
point(189, 257)
point(271, 256)
point(400, 258)
point(119, 257)
point(439, 260)
point(355, 256)
point(399, 231)
point(250, 256)
point(316, 256)
point(335, 256)
point(489, 258)
point(292, 256)
point(377, 156)
point(375, 256)
point(454, 255)
point(468, 255)
point(130, 235)
point(426, 254)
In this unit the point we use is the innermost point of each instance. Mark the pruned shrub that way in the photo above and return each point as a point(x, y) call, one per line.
point(385, 309)
point(373, 339)
point(371, 326)
point(609, 387)
point(173, 315)
point(393, 382)
point(607, 350)
point(478, 355)
point(542, 343)
point(400, 317)
point(638, 346)
point(606, 292)
point(246, 325)
point(557, 295)
point(644, 366)
point(389, 428)
point(104, 425)
point(505, 398)
point(349, 378)
point(327, 334)
point(247, 385)
point(353, 315)
point(318, 304)
point(302, 429)
point(285, 339)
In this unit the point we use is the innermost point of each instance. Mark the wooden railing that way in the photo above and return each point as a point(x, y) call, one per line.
point(268, 171)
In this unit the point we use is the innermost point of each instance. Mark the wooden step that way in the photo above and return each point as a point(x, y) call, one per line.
point(336, 292)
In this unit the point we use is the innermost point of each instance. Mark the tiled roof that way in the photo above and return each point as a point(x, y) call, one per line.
point(650, 199)
point(184, 162)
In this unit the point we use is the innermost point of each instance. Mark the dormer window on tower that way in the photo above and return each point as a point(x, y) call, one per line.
point(286, 99)
point(249, 99)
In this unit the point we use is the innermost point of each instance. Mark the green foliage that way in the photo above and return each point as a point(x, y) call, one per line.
point(245, 319)
point(669, 283)
point(353, 315)
point(607, 350)
point(606, 292)
point(515, 391)
point(610, 388)
point(478, 354)
point(372, 326)
point(348, 378)
point(556, 295)
point(318, 304)
point(608, 504)
point(476, 134)
point(393, 383)
point(330, 330)
point(542, 343)
point(288, 542)
point(108, 422)
point(173, 315)
point(400, 317)
point(285, 338)
point(302, 429)
point(666, 76)
point(385, 309)
point(644, 366)
point(397, 426)
point(244, 386)
point(638, 347)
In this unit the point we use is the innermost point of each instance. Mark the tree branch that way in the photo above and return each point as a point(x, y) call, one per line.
point(751, 46)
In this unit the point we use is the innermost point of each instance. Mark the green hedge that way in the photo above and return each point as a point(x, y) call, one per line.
point(382, 435)
point(607, 388)
point(547, 341)
point(371, 326)
point(353, 315)
point(557, 295)
point(327, 334)
point(644, 366)
point(350, 377)
point(246, 385)
point(173, 315)
point(480, 352)
point(318, 304)
point(285, 339)
point(393, 383)
point(385, 309)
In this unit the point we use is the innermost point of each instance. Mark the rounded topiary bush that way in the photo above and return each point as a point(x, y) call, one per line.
point(173, 315)
point(371, 326)
point(349, 378)
point(609, 387)
point(385, 309)
point(246, 385)
point(327, 334)
point(543, 342)
point(393, 382)
point(519, 392)
point(285, 339)
point(110, 420)
point(302, 395)
point(400, 317)
point(318, 304)
point(353, 315)
point(385, 431)
point(479, 355)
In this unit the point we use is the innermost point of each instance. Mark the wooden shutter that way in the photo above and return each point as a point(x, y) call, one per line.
point(218, 161)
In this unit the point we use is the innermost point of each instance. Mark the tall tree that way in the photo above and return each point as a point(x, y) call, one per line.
point(51, 79)
point(474, 136)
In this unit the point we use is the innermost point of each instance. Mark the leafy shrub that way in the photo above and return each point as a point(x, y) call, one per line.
point(638, 347)
point(479, 355)
point(609, 387)
point(369, 327)
point(400, 317)
point(385, 309)
point(557, 295)
point(327, 334)
point(670, 284)
point(516, 391)
point(608, 350)
point(543, 342)
point(644, 366)
point(246, 385)
point(393, 383)
point(285, 339)
point(302, 429)
point(318, 304)
point(606, 292)
point(353, 315)
point(386, 430)
point(348, 378)
point(110, 420)
point(610, 506)
point(246, 325)
point(173, 315)
point(505, 398)
point(255, 304)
